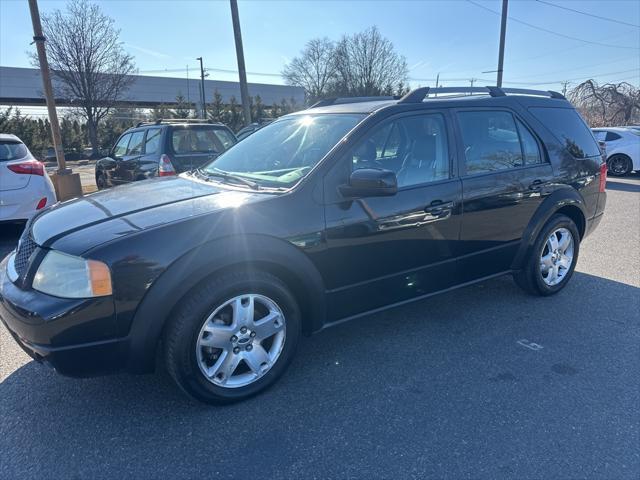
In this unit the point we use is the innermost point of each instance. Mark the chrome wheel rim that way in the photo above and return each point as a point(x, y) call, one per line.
point(556, 257)
point(241, 340)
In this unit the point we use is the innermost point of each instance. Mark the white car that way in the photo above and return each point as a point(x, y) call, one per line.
point(25, 187)
point(623, 149)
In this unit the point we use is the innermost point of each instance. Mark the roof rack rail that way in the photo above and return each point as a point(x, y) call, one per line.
point(177, 120)
point(343, 100)
point(419, 94)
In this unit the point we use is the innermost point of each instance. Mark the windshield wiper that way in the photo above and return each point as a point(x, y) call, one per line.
point(227, 176)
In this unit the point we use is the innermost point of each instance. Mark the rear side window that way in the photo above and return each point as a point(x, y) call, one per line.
point(12, 151)
point(570, 130)
point(611, 136)
point(121, 147)
point(136, 143)
point(491, 141)
point(152, 142)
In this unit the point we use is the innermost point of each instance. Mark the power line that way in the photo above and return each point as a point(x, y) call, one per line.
point(551, 31)
point(219, 70)
point(456, 79)
point(573, 69)
point(583, 77)
point(549, 82)
point(588, 14)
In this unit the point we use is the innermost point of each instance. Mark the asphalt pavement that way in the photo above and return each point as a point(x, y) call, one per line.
point(481, 383)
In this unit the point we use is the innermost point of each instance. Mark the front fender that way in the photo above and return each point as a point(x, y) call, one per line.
point(248, 251)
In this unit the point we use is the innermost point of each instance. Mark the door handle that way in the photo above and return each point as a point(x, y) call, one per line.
point(438, 207)
point(535, 185)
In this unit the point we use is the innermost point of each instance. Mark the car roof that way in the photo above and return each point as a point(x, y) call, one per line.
point(612, 129)
point(9, 137)
point(177, 123)
point(483, 99)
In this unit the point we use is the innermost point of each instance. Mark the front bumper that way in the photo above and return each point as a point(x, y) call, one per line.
point(75, 336)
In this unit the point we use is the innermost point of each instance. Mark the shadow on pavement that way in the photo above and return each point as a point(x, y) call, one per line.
point(623, 186)
point(436, 387)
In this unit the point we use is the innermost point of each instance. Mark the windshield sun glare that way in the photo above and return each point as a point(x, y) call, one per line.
point(284, 152)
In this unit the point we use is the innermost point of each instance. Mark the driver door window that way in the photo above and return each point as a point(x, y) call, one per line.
point(120, 149)
point(415, 148)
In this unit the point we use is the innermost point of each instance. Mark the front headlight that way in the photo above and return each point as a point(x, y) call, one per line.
point(67, 276)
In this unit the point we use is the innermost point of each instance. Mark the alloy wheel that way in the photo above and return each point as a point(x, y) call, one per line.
point(618, 165)
point(241, 340)
point(557, 256)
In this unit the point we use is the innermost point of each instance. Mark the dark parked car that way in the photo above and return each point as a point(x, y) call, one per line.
point(162, 148)
point(323, 216)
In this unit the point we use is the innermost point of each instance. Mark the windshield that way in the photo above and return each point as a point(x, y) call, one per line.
point(10, 150)
point(282, 153)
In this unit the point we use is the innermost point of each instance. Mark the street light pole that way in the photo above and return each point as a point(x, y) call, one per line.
point(67, 185)
point(202, 97)
point(503, 34)
point(244, 90)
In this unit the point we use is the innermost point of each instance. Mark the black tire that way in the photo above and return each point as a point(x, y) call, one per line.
point(619, 165)
point(100, 181)
point(183, 329)
point(530, 278)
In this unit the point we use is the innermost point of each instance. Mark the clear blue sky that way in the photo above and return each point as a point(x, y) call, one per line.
point(457, 39)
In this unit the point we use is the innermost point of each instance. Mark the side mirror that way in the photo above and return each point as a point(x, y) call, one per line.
point(370, 182)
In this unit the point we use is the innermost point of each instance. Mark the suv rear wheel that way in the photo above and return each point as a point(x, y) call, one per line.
point(232, 337)
point(552, 260)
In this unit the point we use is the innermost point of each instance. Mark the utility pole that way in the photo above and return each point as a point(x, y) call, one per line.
point(437, 82)
point(503, 34)
point(244, 90)
point(472, 81)
point(203, 105)
point(565, 87)
point(67, 184)
point(188, 97)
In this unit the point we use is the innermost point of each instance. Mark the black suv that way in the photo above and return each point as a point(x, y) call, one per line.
point(322, 216)
point(162, 148)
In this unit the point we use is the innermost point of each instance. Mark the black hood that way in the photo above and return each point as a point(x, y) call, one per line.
point(102, 216)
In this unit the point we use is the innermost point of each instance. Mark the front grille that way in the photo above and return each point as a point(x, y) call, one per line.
point(25, 248)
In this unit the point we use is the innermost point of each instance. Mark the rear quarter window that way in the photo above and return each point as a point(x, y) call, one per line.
point(569, 129)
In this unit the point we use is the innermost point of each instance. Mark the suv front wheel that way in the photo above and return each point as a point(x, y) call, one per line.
point(232, 336)
point(552, 260)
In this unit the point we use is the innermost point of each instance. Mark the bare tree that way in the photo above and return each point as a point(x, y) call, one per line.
point(359, 65)
point(85, 54)
point(607, 105)
point(315, 68)
point(368, 64)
